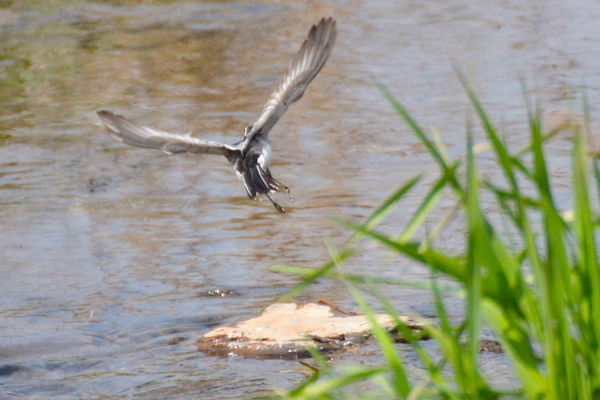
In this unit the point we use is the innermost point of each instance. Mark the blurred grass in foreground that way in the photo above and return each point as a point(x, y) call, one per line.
point(541, 296)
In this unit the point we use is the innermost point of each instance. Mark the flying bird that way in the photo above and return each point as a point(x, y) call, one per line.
point(251, 156)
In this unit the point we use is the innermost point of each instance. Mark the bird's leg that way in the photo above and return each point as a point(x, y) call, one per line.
point(287, 189)
point(277, 206)
point(277, 184)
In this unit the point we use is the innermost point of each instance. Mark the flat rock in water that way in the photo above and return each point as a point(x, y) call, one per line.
point(285, 331)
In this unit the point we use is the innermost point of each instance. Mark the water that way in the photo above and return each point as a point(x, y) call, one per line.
point(109, 252)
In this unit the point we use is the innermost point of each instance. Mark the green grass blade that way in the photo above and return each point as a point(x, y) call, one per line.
point(382, 211)
point(453, 266)
point(435, 153)
point(311, 278)
point(384, 339)
point(586, 309)
point(428, 203)
point(476, 230)
point(504, 158)
point(322, 389)
point(436, 376)
point(386, 344)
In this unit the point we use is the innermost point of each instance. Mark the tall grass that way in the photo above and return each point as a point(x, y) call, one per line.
point(541, 296)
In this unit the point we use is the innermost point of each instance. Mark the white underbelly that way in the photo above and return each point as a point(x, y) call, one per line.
point(264, 160)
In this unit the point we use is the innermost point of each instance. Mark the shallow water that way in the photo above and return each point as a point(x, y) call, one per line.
point(109, 252)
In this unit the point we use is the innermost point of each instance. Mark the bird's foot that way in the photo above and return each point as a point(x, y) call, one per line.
point(288, 191)
point(277, 206)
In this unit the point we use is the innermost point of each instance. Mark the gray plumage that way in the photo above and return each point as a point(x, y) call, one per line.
point(251, 157)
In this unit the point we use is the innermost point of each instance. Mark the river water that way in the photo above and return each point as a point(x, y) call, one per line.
point(111, 255)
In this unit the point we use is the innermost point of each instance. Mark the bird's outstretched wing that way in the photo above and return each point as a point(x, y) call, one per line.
point(141, 136)
point(306, 65)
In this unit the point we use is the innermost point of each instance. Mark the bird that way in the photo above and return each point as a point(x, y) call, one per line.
point(250, 157)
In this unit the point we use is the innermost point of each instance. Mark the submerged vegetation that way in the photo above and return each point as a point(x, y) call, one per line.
point(538, 288)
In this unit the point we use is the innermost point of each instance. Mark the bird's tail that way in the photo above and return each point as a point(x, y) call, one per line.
point(256, 180)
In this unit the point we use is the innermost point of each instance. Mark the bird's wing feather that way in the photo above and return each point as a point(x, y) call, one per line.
point(141, 136)
point(306, 65)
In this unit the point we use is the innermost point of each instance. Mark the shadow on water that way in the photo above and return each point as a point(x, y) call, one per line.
point(112, 256)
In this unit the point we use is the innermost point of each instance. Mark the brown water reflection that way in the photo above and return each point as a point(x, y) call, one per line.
point(108, 251)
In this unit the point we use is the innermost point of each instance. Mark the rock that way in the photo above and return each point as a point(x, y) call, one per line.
point(285, 331)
